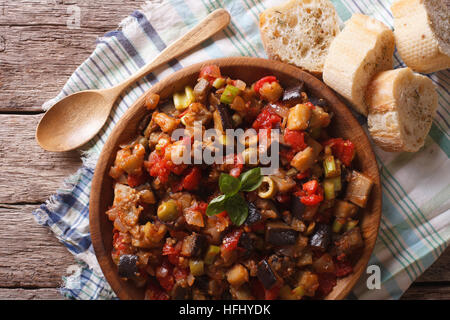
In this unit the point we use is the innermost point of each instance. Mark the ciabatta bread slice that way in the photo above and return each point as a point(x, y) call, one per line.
point(402, 105)
point(363, 48)
point(422, 33)
point(299, 32)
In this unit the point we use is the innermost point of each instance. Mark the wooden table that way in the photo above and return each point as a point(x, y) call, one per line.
point(37, 55)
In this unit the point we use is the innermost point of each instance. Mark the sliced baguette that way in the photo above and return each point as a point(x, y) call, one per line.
point(363, 48)
point(401, 109)
point(422, 33)
point(300, 32)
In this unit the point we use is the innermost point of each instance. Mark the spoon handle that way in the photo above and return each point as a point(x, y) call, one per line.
point(213, 23)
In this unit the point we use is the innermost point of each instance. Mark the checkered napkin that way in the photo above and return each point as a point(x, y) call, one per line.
point(415, 228)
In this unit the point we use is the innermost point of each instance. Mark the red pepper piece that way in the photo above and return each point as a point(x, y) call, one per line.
point(192, 180)
point(210, 73)
point(296, 139)
point(259, 84)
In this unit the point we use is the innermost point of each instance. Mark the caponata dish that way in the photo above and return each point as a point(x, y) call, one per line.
point(225, 231)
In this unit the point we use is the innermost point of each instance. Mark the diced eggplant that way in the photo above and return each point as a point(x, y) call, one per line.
point(284, 184)
point(246, 242)
point(202, 282)
point(344, 209)
point(358, 189)
point(297, 207)
point(201, 90)
point(349, 242)
point(266, 275)
point(280, 234)
point(127, 266)
point(222, 119)
point(194, 245)
point(317, 101)
point(321, 237)
point(254, 215)
point(294, 92)
point(180, 293)
point(282, 265)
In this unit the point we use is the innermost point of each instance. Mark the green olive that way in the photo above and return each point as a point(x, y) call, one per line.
point(268, 189)
point(196, 267)
point(168, 211)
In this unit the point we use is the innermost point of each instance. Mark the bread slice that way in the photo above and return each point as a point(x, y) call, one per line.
point(422, 33)
point(363, 48)
point(402, 105)
point(299, 32)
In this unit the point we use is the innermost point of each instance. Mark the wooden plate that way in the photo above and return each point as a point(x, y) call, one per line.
point(248, 69)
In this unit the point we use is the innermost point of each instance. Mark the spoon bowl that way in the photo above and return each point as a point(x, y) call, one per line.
point(63, 128)
point(77, 118)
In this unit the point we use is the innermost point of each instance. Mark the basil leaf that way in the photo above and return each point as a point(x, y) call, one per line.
point(216, 206)
point(229, 185)
point(251, 180)
point(237, 209)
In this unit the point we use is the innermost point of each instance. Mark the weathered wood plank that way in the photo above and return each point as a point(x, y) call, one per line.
point(38, 52)
point(29, 174)
point(30, 294)
point(439, 271)
point(427, 292)
point(30, 255)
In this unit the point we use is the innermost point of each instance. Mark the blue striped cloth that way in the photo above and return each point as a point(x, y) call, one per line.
point(415, 228)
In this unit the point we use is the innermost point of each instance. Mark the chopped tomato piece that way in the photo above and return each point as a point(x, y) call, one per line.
point(180, 273)
point(343, 268)
point(266, 119)
point(154, 292)
point(312, 193)
point(272, 294)
point(157, 167)
point(134, 181)
point(296, 139)
point(259, 84)
point(210, 73)
point(231, 240)
point(327, 281)
point(311, 187)
point(165, 276)
point(192, 179)
point(344, 150)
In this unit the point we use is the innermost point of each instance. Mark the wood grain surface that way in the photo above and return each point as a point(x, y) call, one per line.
point(37, 55)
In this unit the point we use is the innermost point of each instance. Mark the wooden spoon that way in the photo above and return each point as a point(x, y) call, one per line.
point(77, 118)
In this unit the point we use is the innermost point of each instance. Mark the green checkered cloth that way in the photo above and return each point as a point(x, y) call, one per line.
point(415, 227)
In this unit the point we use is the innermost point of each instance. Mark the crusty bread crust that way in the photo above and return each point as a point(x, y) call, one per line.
point(401, 108)
point(363, 48)
point(299, 32)
point(421, 35)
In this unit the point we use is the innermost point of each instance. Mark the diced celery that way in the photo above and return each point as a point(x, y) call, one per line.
point(229, 94)
point(329, 190)
point(286, 293)
point(351, 224)
point(189, 92)
point(329, 166)
point(196, 267)
point(337, 225)
point(183, 100)
point(298, 292)
point(337, 183)
point(219, 83)
point(211, 254)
